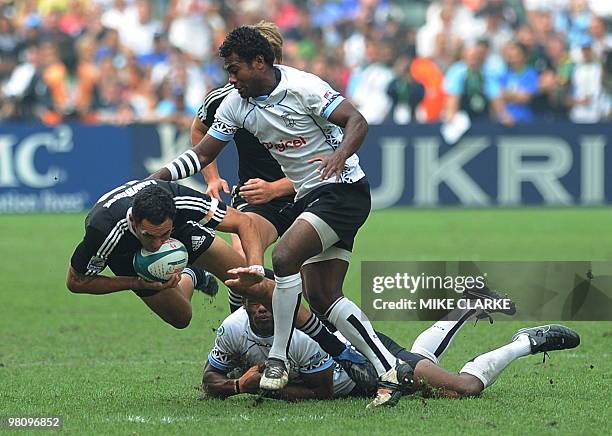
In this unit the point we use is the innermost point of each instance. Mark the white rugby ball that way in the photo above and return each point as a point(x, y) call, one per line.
point(160, 265)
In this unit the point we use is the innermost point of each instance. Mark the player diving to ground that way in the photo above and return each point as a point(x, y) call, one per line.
point(263, 191)
point(314, 133)
point(146, 214)
point(244, 338)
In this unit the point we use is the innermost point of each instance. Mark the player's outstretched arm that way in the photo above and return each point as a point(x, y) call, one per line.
point(192, 161)
point(217, 384)
point(355, 130)
point(99, 285)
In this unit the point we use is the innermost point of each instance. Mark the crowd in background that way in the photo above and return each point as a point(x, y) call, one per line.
point(123, 61)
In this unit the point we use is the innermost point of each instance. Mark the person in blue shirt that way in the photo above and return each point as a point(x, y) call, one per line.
point(469, 86)
point(518, 86)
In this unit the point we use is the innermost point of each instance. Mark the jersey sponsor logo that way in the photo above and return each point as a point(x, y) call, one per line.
point(96, 264)
point(285, 144)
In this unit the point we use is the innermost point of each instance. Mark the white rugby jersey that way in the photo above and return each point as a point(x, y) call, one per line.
point(291, 122)
point(238, 347)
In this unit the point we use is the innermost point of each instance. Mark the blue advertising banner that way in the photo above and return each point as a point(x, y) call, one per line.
point(536, 164)
point(66, 168)
point(62, 168)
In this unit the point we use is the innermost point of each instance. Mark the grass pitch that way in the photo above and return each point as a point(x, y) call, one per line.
point(108, 365)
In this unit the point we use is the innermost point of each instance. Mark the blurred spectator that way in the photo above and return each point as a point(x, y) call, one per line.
point(494, 28)
point(405, 93)
point(574, 22)
point(553, 88)
point(602, 39)
point(427, 73)
point(190, 30)
point(518, 85)
point(9, 46)
point(368, 86)
point(87, 75)
point(159, 53)
point(589, 101)
point(55, 76)
point(469, 88)
point(138, 31)
point(25, 92)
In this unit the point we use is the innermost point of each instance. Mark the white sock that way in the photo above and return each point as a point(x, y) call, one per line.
point(353, 324)
point(285, 304)
point(488, 366)
point(434, 341)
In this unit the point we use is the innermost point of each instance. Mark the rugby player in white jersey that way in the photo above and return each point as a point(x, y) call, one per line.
point(262, 193)
point(262, 190)
point(313, 132)
point(244, 338)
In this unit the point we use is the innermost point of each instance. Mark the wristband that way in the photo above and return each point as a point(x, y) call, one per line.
point(237, 386)
point(259, 269)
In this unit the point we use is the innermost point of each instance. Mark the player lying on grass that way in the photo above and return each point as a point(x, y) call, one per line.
point(146, 214)
point(236, 362)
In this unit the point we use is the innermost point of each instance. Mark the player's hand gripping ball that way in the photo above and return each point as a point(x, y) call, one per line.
point(160, 265)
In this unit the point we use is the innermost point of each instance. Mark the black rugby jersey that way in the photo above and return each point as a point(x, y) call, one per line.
point(107, 228)
point(254, 160)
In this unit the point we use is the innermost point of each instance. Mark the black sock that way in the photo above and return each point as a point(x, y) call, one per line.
point(325, 321)
point(319, 333)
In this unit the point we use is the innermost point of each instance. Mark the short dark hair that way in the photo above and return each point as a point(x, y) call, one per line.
point(155, 204)
point(248, 43)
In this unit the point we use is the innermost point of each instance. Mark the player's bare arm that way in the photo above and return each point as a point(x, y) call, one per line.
point(215, 184)
point(258, 191)
point(355, 130)
point(192, 161)
point(100, 285)
point(316, 386)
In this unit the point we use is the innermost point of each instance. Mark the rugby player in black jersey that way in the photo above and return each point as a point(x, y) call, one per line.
point(145, 214)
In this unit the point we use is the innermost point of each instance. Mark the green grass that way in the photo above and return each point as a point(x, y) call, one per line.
point(108, 365)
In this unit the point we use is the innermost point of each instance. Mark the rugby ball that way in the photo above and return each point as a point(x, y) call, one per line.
point(161, 264)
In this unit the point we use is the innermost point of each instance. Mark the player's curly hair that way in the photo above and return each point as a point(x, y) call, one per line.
point(153, 203)
point(248, 43)
point(272, 33)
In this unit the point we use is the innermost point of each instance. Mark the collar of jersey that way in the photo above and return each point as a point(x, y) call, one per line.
point(276, 96)
point(255, 334)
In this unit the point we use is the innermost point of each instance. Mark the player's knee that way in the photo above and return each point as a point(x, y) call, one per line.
point(321, 300)
point(284, 262)
point(470, 387)
point(180, 321)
